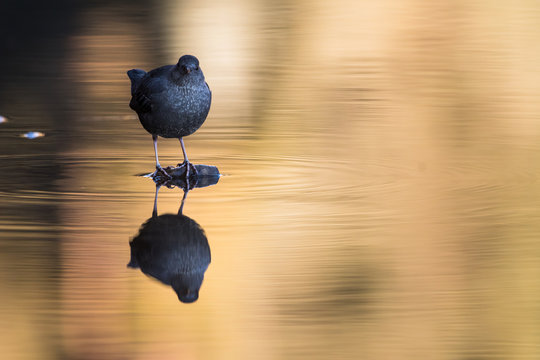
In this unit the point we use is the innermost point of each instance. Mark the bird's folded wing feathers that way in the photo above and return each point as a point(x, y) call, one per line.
point(150, 87)
point(140, 103)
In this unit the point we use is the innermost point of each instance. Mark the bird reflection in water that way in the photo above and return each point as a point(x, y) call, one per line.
point(173, 248)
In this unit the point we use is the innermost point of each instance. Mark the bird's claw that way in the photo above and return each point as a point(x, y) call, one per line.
point(190, 174)
point(191, 170)
point(161, 173)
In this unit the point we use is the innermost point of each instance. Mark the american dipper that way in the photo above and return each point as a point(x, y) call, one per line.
point(172, 101)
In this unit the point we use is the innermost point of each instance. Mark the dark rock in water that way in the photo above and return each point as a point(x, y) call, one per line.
point(202, 171)
point(206, 175)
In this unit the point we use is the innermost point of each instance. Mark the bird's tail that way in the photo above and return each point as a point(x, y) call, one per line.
point(135, 75)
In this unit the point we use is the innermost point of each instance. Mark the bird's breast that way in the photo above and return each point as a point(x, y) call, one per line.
point(177, 112)
point(186, 99)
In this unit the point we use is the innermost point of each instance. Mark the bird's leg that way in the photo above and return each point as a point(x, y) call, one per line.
point(154, 210)
point(186, 190)
point(189, 166)
point(154, 139)
point(159, 169)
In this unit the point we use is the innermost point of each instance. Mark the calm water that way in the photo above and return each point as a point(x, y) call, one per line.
point(381, 193)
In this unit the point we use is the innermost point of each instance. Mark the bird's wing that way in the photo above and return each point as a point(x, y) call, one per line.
point(140, 102)
point(151, 85)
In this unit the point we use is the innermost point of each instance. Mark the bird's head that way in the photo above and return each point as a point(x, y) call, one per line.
point(187, 286)
point(187, 64)
point(188, 296)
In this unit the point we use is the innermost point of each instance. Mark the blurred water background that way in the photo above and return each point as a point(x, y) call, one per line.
point(381, 193)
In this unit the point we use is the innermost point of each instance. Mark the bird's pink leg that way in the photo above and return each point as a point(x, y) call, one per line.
point(186, 161)
point(159, 169)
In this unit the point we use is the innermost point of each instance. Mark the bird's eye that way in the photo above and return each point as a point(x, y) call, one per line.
point(197, 68)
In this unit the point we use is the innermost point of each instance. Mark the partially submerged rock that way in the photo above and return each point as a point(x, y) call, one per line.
point(206, 175)
point(202, 171)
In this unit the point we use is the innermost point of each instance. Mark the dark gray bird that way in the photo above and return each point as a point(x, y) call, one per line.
point(172, 101)
point(173, 249)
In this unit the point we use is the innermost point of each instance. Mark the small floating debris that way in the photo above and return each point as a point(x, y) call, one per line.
point(33, 134)
point(3, 119)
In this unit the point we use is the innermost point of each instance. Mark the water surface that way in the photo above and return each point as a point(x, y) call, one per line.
point(380, 191)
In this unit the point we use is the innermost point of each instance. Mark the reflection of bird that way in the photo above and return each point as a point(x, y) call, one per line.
point(173, 249)
point(172, 101)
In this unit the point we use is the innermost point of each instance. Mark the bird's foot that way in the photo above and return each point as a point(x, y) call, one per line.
point(160, 175)
point(190, 173)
